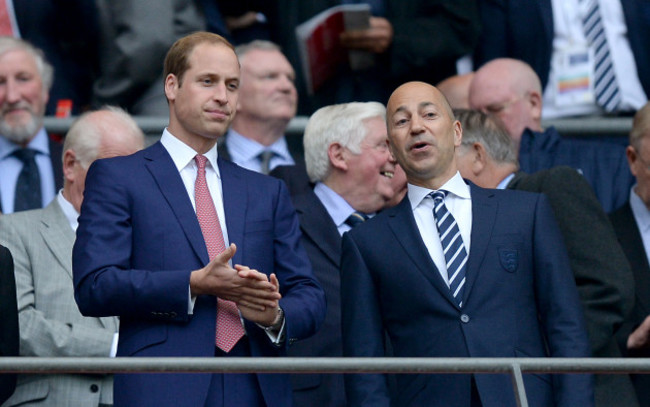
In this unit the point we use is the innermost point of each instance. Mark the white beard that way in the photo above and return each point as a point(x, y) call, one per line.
point(20, 134)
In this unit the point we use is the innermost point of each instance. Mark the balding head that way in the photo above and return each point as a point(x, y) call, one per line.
point(456, 90)
point(423, 134)
point(104, 133)
point(511, 90)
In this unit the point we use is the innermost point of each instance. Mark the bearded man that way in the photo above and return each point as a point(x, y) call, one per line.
point(30, 160)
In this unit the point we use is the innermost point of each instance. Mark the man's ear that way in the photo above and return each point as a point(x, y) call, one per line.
point(69, 161)
point(535, 102)
point(480, 158)
point(632, 157)
point(171, 86)
point(338, 156)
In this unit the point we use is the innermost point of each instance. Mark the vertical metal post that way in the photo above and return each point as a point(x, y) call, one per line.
point(518, 384)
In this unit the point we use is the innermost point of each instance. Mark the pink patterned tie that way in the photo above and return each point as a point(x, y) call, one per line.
point(229, 326)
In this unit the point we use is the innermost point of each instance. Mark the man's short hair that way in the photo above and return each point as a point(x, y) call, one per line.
point(640, 126)
point(85, 136)
point(262, 45)
point(343, 124)
point(177, 58)
point(45, 70)
point(479, 127)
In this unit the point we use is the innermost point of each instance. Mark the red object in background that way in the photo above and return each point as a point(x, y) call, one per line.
point(63, 108)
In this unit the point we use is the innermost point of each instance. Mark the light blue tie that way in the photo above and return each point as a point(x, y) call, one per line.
point(452, 245)
point(608, 95)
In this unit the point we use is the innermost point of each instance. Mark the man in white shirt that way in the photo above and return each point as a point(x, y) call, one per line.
point(41, 242)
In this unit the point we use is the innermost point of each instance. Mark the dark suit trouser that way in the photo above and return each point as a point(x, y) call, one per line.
point(241, 389)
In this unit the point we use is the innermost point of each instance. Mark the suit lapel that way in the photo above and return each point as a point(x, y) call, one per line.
point(402, 223)
point(484, 210)
point(162, 168)
point(57, 235)
point(235, 187)
point(316, 224)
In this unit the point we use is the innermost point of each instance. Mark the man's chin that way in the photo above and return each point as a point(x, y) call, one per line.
point(21, 133)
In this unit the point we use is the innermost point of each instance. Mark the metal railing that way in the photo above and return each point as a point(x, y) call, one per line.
point(515, 367)
point(591, 126)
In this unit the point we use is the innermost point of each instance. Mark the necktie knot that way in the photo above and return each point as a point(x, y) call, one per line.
point(201, 160)
point(265, 160)
point(438, 196)
point(25, 155)
point(356, 218)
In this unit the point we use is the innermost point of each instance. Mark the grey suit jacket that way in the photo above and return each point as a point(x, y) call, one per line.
point(50, 322)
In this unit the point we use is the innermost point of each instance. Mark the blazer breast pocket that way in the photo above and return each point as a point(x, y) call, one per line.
point(509, 258)
point(257, 226)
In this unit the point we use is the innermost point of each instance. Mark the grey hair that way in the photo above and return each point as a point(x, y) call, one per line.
point(343, 124)
point(479, 127)
point(45, 70)
point(263, 45)
point(85, 134)
point(640, 127)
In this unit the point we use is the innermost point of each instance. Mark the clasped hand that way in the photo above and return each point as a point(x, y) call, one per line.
point(254, 293)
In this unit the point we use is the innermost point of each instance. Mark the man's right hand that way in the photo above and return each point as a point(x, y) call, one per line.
point(223, 281)
point(640, 338)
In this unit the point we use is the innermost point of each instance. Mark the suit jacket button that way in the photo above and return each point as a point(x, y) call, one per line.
point(464, 318)
point(94, 388)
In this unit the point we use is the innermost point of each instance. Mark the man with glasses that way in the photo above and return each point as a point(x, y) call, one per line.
point(511, 90)
point(632, 225)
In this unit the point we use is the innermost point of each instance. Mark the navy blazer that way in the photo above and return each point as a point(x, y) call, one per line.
point(523, 29)
point(8, 320)
point(137, 243)
point(520, 300)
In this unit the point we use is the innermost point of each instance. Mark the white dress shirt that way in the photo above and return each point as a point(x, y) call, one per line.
point(244, 152)
point(337, 207)
point(11, 166)
point(458, 202)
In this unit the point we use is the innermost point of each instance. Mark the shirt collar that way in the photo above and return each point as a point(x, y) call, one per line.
point(640, 211)
point(69, 211)
point(38, 143)
point(455, 186)
point(504, 182)
point(247, 149)
point(337, 207)
point(183, 155)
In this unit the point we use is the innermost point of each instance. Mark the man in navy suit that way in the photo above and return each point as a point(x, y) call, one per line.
point(347, 158)
point(513, 292)
point(141, 253)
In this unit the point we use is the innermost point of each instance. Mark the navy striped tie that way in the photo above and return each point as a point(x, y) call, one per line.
point(452, 245)
point(356, 218)
point(28, 185)
point(608, 95)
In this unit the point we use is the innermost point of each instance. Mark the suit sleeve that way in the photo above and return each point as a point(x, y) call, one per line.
point(363, 332)
point(560, 309)
point(105, 282)
point(601, 270)
point(493, 42)
point(40, 334)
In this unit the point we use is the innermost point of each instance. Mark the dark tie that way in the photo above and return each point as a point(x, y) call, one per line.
point(356, 218)
point(452, 245)
point(606, 88)
point(265, 159)
point(229, 327)
point(28, 185)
